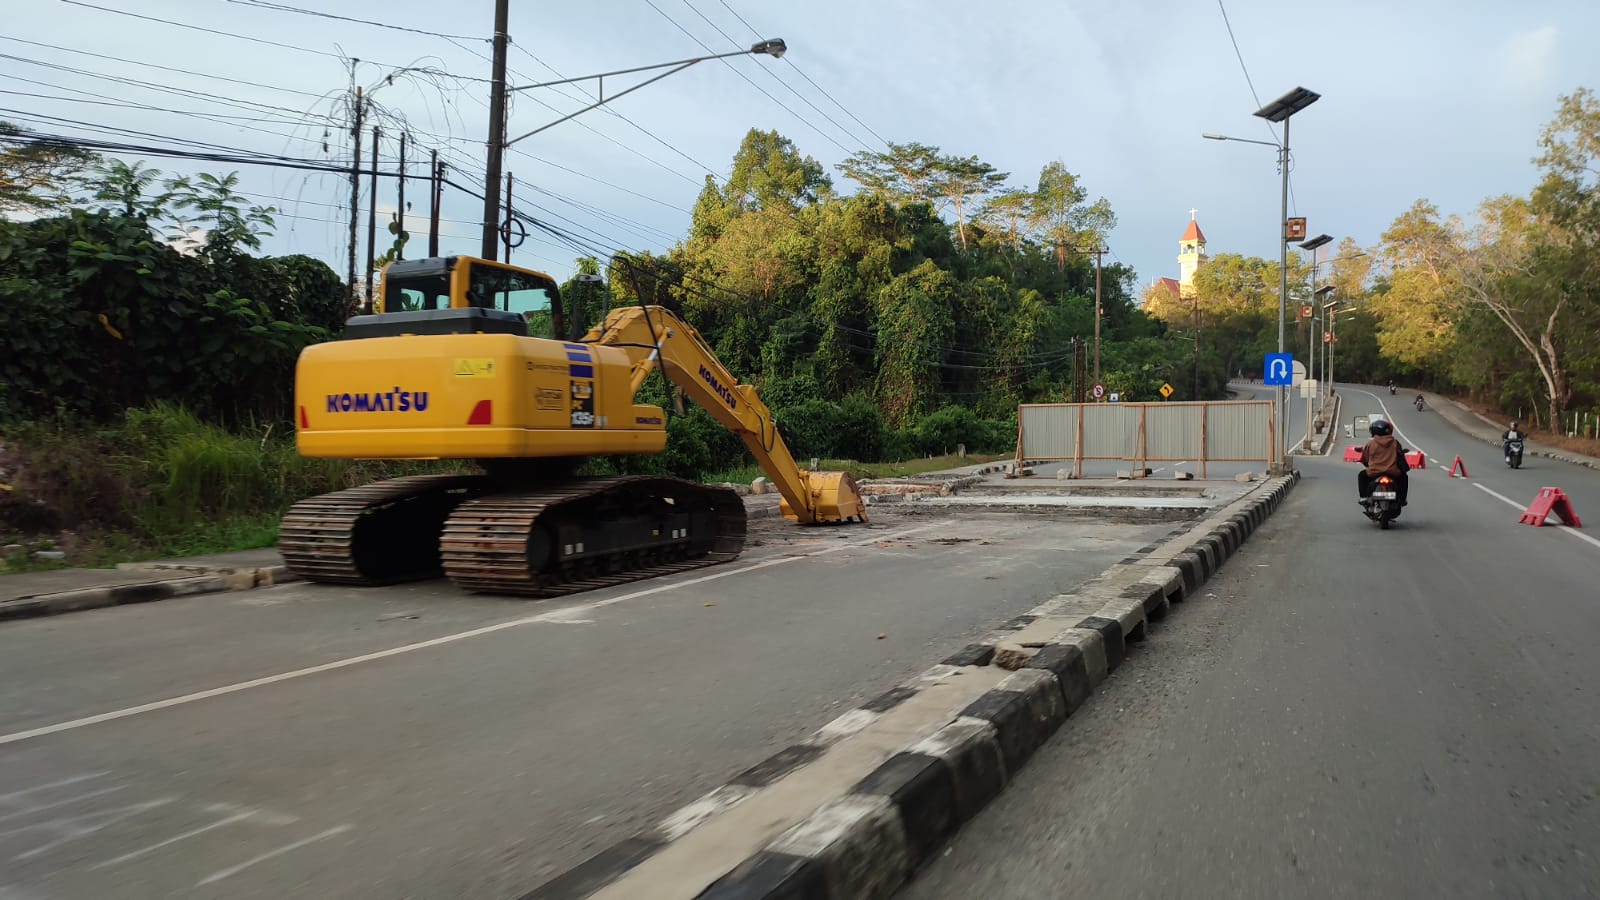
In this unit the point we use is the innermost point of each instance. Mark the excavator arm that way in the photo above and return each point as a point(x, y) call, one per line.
point(654, 337)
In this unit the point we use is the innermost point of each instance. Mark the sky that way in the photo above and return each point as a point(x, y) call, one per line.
point(1420, 99)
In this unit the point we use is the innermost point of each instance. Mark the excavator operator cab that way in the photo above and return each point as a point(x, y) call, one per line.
point(462, 295)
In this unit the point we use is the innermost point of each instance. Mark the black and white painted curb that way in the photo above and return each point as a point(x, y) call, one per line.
point(867, 841)
point(143, 592)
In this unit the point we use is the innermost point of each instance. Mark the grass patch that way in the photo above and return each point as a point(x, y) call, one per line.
point(163, 483)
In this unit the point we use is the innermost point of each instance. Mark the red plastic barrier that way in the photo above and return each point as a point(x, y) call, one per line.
point(1352, 454)
point(1550, 500)
point(1416, 460)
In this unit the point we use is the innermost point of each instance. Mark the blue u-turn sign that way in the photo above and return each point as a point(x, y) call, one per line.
point(1279, 369)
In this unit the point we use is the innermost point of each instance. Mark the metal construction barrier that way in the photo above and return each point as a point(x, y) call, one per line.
point(1141, 433)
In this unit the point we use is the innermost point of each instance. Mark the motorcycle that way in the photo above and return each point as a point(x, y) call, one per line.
point(1417, 403)
point(1514, 452)
point(1391, 390)
point(1383, 506)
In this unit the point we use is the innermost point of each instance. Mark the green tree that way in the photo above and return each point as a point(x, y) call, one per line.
point(770, 174)
point(1061, 216)
point(906, 173)
point(220, 213)
point(961, 180)
point(36, 174)
point(128, 189)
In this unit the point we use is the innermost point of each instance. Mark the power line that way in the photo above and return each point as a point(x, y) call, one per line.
point(796, 66)
point(645, 131)
point(747, 78)
point(120, 104)
point(135, 62)
point(1242, 66)
point(584, 125)
point(186, 93)
point(853, 136)
point(282, 7)
point(264, 41)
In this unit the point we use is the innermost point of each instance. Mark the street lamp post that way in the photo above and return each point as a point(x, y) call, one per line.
point(1313, 244)
point(1280, 110)
point(773, 47)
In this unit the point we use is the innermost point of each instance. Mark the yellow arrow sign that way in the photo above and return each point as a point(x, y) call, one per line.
point(1166, 391)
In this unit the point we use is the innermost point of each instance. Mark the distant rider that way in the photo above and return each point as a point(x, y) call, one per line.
point(1383, 455)
point(1514, 433)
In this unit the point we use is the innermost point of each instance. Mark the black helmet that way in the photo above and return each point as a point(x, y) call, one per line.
point(1378, 427)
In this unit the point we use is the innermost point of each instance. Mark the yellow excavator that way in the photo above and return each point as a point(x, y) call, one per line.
point(469, 359)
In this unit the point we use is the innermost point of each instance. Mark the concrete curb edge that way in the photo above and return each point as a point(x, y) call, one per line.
point(869, 840)
point(144, 591)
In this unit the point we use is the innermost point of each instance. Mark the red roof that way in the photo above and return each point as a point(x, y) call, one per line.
point(1194, 233)
point(1170, 284)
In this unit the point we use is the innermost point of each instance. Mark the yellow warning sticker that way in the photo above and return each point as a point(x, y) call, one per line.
point(474, 367)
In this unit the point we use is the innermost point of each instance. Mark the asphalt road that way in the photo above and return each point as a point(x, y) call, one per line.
point(416, 741)
point(1344, 712)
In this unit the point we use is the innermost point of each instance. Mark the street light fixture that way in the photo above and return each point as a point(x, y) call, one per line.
point(773, 47)
point(1280, 110)
point(1320, 240)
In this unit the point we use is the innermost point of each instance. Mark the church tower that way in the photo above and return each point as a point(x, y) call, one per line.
point(1191, 255)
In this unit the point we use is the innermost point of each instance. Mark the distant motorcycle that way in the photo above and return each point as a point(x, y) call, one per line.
point(1383, 506)
point(1514, 452)
point(1391, 390)
point(1417, 403)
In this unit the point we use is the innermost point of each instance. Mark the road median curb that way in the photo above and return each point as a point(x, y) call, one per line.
point(226, 579)
point(905, 787)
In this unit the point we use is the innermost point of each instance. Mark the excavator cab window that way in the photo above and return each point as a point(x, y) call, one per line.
point(416, 293)
point(535, 297)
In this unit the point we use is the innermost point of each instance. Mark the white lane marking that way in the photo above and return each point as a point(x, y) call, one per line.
point(287, 848)
point(53, 784)
point(70, 832)
point(557, 616)
point(1390, 417)
point(1575, 533)
point(67, 802)
point(238, 817)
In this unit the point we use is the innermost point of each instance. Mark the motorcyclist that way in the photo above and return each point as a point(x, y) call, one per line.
point(1383, 455)
point(1514, 433)
point(1391, 387)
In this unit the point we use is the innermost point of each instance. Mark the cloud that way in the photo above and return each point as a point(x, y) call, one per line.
point(1530, 60)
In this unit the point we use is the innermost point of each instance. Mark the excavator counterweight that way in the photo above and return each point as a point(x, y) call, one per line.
point(467, 359)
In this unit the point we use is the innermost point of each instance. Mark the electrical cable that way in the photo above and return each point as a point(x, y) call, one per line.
point(796, 66)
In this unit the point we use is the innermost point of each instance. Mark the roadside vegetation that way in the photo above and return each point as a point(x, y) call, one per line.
point(1497, 308)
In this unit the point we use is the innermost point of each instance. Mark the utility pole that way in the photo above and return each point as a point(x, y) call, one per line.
point(434, 177)
point(497, 130)
point(1098, 253)
point(372, 215)
point(506, 234)
point(401, 253)
point(355, 190)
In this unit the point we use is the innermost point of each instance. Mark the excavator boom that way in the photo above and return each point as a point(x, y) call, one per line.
point(654, 337)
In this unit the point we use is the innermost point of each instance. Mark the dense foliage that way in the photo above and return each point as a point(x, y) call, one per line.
point(102, 315)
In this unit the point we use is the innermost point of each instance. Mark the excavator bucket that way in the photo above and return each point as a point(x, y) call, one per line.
point(835, 498)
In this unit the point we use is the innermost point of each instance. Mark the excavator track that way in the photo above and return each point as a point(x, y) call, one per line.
point(590, 533)
point(376, 534)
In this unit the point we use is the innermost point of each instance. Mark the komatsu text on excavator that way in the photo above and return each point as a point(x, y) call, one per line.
point(469, 359)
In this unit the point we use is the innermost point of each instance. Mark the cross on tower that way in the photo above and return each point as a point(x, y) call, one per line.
point(1192, 212)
